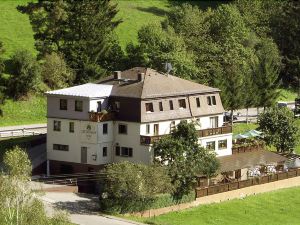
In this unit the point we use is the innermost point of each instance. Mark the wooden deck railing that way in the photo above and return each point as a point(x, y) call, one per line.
point(147, 140)
point(250, 148)
point(219, 188)
point(215, 131)
point(101, 117)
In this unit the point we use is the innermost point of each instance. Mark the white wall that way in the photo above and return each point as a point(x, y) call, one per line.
point(94, 141)
point(216, 138)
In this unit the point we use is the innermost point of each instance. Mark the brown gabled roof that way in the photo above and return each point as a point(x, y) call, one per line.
point(154, 85)
point(249, 159)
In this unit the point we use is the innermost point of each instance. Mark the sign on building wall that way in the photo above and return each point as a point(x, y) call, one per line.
point(88, 132)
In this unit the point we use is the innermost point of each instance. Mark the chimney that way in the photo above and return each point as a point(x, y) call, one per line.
point(117, 75)
point(141, 76)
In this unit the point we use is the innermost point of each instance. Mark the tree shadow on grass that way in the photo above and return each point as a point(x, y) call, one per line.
point(154, 10)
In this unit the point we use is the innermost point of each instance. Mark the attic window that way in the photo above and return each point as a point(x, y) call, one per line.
point(171, 105)
point(149, 107)
point(211, 100)
point(198, 102)
point(182, 103)
point(161, 106)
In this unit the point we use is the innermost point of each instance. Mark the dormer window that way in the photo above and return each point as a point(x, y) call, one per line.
point(161, 106)
point(149, 107)
point(171, 105)
point(211, 100)
point(198, 102)
point(182, 104)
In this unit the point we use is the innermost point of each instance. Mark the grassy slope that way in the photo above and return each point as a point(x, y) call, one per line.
point(135, 14)
point(24, 112)
point(276, 208)
point(15, 29)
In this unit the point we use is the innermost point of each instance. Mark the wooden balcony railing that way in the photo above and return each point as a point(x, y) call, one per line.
point(215, 131)
point(147, 140)
point(101, 117)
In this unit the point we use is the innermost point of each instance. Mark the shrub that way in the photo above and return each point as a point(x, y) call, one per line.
point(25, 76)
point(55, 72)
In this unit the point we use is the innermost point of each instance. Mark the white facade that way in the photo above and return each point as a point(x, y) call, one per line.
point(73, 138)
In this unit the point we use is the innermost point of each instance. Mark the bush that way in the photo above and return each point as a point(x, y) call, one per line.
point(25, 76)
point(120, 205)
point(56, 73)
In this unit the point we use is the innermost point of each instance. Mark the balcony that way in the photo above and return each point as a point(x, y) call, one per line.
point(100, 116)
point(147, 140)
point(215, 131)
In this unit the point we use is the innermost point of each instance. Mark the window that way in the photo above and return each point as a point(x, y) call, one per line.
point(149, 107)
point(83, 154)
point(117, 105)
point(104, 128)
point(127, 152)
point(104, 151)
point(122, 129)
point(156, 129)
point(56, 125)
point(213, 121)
point(161, 106)
point(198, 102)
point(61, 147)
point(211, 100)
point(222, 144)
point(71, 127)
point(182, 103)
point(211, 145)
point(63, 104)
point(99, 108)
point(117, 150)
point(148, 129)
point(78, 106)
point(171, 105)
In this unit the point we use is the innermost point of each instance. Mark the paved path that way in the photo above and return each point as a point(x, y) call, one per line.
point(83, 209)
point(23, 130)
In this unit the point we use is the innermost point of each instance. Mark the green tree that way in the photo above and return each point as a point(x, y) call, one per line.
point(83, 31)
point(18, 204)
point(25, 74)
point(279, 128)
point(185, 158)
point(128, 184)
point(266, 73)
point(55, 72)
point(158, 46)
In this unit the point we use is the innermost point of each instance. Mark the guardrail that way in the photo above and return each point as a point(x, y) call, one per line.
point(23, 132)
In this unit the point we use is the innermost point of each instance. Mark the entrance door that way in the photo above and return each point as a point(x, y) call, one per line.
point(238, 174)
point(83, 154)
point(156, 129)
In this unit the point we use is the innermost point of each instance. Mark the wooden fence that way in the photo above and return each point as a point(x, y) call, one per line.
point(219, 188)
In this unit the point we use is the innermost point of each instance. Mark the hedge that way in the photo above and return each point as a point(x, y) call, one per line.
point(124, 205)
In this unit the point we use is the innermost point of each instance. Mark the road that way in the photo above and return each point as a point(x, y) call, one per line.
point(83, 209)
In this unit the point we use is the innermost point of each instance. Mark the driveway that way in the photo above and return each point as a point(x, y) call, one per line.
point(83, 209)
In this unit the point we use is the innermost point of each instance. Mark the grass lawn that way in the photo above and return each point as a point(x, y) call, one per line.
point(243, 127)
point(24, 112)
point(273, 208)
point(287, 95)
point(137, 13)
point(15, 29)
